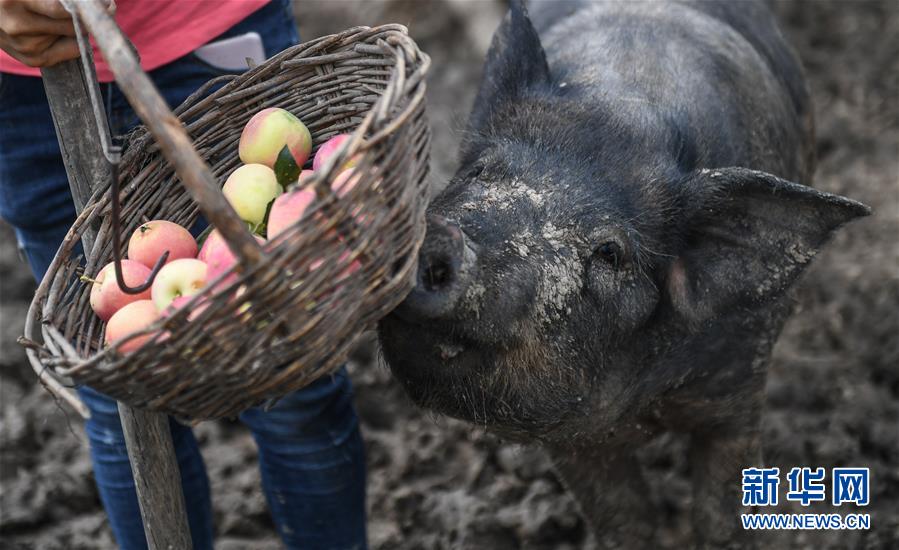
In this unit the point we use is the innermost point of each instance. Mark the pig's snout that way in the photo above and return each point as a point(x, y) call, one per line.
point(445, 265)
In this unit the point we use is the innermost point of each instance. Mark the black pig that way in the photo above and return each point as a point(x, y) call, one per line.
point(613, 258)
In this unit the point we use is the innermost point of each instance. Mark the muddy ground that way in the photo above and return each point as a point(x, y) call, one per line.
point(833, 392)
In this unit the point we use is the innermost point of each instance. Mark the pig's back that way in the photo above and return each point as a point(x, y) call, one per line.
point(720, 70)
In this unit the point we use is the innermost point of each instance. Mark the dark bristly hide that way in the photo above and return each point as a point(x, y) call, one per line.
point(632, 207)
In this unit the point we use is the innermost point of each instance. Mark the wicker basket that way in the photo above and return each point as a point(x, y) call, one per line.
point(292, 317)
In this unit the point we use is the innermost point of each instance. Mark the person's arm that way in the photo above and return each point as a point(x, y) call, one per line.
point(39, 33)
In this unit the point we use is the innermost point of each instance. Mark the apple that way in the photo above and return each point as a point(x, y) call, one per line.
point(288, 209)
point(152, 239)
point(177, 303)
point(213, 240)
point(277, 139)
point(184, 277)
point(132, 318)
point(181, 301)
point(243, 310)
point(250, 189)
point(106, 297)
point(345, 181)
point(354, 266)
point(328, 149)
point(343, 184)
point(218, 256)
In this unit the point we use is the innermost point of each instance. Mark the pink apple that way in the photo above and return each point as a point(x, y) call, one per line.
point(182, 301)
point(304, 175)
point(213, 239)
point(177, 303)
point(327, 150)
point(243, 310)
point(345, 181)
point(277, 139)
point(343, 184)
point(184, 277)
point(354, 266)
point(249, 189)
point(288, 209)
point(218, 256)
point(132, 318)
point(152, 239)
point(106, 296)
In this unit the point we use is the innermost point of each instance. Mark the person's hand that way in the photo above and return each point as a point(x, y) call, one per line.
point(39, 33)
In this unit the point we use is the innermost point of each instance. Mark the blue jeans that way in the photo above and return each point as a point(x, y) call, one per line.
point(311, 454)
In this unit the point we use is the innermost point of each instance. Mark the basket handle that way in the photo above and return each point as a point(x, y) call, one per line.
point(173, 141)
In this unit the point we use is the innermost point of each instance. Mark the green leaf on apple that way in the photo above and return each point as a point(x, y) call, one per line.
point(261, 228)
point(286, 169)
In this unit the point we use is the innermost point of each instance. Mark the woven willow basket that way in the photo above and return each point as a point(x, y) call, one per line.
point(279, 324)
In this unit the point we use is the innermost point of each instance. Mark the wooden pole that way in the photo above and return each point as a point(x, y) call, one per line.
point(156, 478)
point(147, 434)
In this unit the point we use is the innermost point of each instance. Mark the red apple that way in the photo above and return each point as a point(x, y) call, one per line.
point(328, 149)
point(177, 303)
point(106, 296)
point(345, 181)
point(343, 184)
point(184, 277)
point(218, 256)
point(131, 318)
point(243, 310)
point(152, 239)
point(354, 266)
point(288, 209)
point(250, 189)
point(213, 240)
point(182, 301)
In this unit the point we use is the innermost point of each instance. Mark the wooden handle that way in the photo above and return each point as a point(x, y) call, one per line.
point(77, 131)
point(147, 434)
point(165, 127)
point(157, 478)
point(85, 164)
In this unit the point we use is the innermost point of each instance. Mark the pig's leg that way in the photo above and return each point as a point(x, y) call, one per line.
point(717, 461)
point(613, 497)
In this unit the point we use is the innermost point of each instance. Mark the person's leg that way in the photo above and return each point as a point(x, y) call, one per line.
point(112, 472)
point(34, 190)
point(35, 200)
point(312, 461)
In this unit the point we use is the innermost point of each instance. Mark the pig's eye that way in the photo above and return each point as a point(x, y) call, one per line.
point(611, 253)
point(476, 171)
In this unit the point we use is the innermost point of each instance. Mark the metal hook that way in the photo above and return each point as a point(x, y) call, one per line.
point(116, 150)
point(112, 150)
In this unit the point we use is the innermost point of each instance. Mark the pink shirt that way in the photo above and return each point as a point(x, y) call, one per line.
point(162, 30)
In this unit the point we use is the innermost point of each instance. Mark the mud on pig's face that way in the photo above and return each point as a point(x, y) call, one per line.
point(534, 272)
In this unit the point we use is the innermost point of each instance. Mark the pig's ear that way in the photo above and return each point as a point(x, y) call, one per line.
point(515, 61)
point(748, 237)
